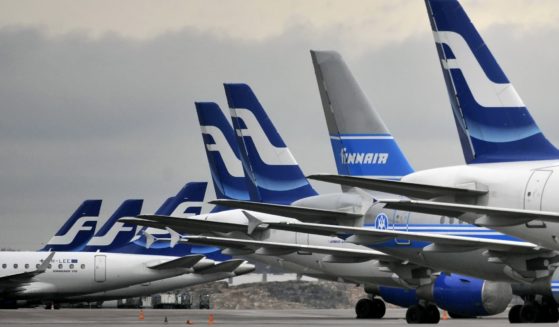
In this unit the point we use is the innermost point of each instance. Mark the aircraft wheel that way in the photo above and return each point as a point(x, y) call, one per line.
point(529, 313)
point(548, 313)
point(379, 309)
point(514, 314)
point(364, 308)
point(415, 314)
point(433, 316)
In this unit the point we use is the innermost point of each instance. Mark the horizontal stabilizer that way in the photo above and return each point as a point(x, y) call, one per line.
point(300, 213)
point(412, 190)
point(183, 262)
point(185, 225)
point(288, 247)
point(480, 215)
point(228, 266)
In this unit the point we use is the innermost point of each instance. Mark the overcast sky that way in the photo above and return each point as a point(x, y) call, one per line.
point(97, 97)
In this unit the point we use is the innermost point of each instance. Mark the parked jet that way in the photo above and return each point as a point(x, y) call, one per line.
point(276, 242)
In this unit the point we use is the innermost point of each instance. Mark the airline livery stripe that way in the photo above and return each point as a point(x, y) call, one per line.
point(364, 137)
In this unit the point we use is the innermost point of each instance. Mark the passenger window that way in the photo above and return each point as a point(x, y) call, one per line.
point(15, 265)
point(60, 266)
point(83, 266)
point(26, 266)
point(4, 266)
point(71, 266)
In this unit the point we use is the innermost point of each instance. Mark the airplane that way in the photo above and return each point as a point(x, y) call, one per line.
point(503, 177)
point(148, 241)
point(478, 251)
point(275, 243)
point(63, 276)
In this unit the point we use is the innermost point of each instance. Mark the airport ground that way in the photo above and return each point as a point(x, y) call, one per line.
point(130, 317)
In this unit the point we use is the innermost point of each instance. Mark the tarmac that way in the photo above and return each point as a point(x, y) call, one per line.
point(130, 317)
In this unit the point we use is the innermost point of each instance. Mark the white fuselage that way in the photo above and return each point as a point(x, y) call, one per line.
point(530, 185)
point(74, 273)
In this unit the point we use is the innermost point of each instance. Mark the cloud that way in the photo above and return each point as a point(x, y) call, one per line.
point(112, 116)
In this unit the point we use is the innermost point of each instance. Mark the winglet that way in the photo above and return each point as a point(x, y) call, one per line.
point(175, 237)
point(150, 239)
point(253, 222)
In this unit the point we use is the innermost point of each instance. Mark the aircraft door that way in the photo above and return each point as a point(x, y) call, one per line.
point(535, 188)
point(100, 272)
point(401, 223)
point(533, 194)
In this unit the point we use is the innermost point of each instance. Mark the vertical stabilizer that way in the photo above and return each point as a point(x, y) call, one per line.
point(115, 234)
point(361, 143)
point(493, 123)
point(222, 152)
point(269, 165)
point(78, 229)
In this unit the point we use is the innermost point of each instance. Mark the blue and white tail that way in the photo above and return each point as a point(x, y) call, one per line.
point(272, 173)
point(361, 143)
point(115, 234)
point(78, 229)
point(493, 123)
point(187, 202)
point(223, 154)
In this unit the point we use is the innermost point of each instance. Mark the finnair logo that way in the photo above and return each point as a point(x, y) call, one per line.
point(367, 158)
point(232, 163)
point(485, 92)
point(381, 221)
point(181, 211)
point(72, 233)
point(111, 235)
point(267, 152)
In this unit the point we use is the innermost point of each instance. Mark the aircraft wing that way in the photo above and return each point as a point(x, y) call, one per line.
point(439, 242)
point(15, 280)
point(277, 248)
point(183, 262)
point(184, 225)
point(301, 213)
point(480, 215)
point(412, 190)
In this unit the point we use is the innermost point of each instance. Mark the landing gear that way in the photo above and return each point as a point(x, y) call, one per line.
point(419, 314)
point(533, 312)
point(370, 309)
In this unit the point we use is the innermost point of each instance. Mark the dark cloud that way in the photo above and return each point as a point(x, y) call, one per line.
point(113, 118)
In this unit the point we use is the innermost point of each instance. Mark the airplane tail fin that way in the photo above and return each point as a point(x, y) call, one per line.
point(187, 202)
point(115, 234)
point(493, 123)
point(361, 143)
point(272, 173)
point(223, 154)
point(77, 230)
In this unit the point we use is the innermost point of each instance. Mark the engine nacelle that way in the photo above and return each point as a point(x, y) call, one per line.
point(458, 294)
point(470, 297)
